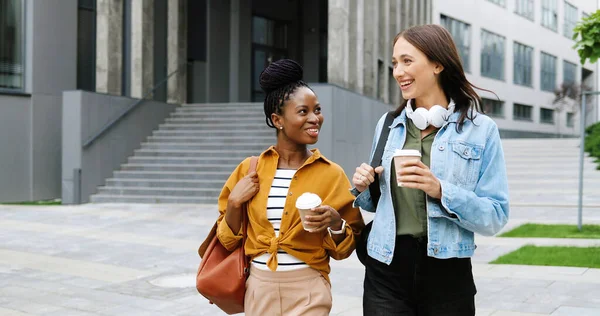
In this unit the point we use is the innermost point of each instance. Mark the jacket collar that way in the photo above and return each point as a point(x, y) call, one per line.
point(316, 155)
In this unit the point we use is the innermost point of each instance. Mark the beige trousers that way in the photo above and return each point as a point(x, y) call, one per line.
point(293, 293)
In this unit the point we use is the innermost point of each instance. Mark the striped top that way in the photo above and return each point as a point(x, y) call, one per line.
point(275, 203)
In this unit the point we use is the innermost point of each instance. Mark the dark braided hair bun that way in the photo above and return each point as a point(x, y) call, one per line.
point(280, 74)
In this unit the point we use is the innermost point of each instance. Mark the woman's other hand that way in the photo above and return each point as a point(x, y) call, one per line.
point(364, 176)
point(415, 174)
point(244, 190)
point(324, 216)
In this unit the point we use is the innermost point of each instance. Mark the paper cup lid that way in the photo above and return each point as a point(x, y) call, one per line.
point(308, 201)
point(407, 152)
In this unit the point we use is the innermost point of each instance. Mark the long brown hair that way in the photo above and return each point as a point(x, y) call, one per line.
point(439, 47)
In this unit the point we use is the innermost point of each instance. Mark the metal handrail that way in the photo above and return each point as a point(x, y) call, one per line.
point(130, 108)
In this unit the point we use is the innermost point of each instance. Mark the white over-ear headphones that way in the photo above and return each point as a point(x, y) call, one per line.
point(436, 116)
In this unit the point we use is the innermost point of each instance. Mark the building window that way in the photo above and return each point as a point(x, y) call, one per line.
point(525, 9)
point(501, 3)
point(492, 107)
point(492, 55)
point(269, 44)
point(86, 45)
point(461, 32)
point(570, 19)
point(547, 116)
point(569, 72)
point(11, 45)
point(550, 14)
point(523, 60)
point(522, 112)
point(570, 119)
point(548, 72)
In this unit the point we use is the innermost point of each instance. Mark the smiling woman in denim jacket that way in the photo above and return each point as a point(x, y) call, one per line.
point(421, 239)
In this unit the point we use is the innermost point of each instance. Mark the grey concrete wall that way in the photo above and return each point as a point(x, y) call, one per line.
point(84, 113)
point(53, 53)
point(350, 119)
point(15, 141)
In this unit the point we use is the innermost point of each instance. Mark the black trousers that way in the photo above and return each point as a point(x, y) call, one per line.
point(417, 285)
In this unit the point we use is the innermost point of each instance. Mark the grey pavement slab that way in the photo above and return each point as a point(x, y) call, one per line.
point(138, 259)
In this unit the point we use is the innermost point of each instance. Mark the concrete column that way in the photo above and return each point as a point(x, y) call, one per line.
point(109, 46)
point(360, 49)
point(386, 49)
point(234, 58)
point(370, 46)
point(142, 47)
point(337, 43)
point(177, 51)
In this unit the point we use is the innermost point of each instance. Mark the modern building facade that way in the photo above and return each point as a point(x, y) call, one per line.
point(523, 51)
point(208, 51)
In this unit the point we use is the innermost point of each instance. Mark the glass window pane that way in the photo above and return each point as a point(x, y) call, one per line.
point(461, 33)
point(570, 19)
point(11, 44)
point(548, 72)
point(523, 58)
point(492, 55)
point(86, 48)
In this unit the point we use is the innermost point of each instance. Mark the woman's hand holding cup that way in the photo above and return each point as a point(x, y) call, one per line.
point(364, 176)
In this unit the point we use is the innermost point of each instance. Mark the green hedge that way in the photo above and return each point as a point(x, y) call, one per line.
point(592, 142)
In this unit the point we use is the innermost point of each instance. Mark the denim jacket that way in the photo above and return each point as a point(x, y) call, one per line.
point(470, 167)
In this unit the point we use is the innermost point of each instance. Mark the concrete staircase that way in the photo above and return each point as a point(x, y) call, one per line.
point(544, 172)
point(190, 156)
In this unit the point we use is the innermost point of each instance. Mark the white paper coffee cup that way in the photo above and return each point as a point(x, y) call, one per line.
point(401, 155)
point(304, 204)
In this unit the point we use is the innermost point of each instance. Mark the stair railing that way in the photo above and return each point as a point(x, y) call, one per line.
point(129, 108)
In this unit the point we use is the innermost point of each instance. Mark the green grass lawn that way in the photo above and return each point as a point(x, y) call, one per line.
point(554, 231)
point(43, 202)
point(553, 256)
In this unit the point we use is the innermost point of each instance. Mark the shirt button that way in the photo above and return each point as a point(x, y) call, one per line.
point(290, 194)
point(466, 153)
point(435, 251)
point(295, 177)
point(441, 147)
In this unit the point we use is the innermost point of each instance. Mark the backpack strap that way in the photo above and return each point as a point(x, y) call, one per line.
point(377, 156)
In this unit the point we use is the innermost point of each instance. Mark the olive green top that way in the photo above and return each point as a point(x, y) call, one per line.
point(409, 204)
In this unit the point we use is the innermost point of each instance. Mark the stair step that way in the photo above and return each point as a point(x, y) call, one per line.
point(185, 160)
point(150, 199)
point(222, 105)
point(215, 139)
point(207, 146)
point(257, 114)
point(254, 120)
point(212, 133)
point(239, 154)
point(171, 175)
point(192, 192)
point(245, 127)
point(180, 167)
point(165, 183)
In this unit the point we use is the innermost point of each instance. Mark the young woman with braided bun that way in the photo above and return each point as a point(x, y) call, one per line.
point(418, 249)
point(289, 272)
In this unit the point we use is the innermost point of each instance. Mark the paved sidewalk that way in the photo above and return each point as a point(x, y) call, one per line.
point(134, 259)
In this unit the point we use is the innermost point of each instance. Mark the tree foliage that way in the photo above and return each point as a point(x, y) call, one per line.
point(587, 37)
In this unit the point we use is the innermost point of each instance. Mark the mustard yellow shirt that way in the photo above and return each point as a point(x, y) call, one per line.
point(317, 175)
